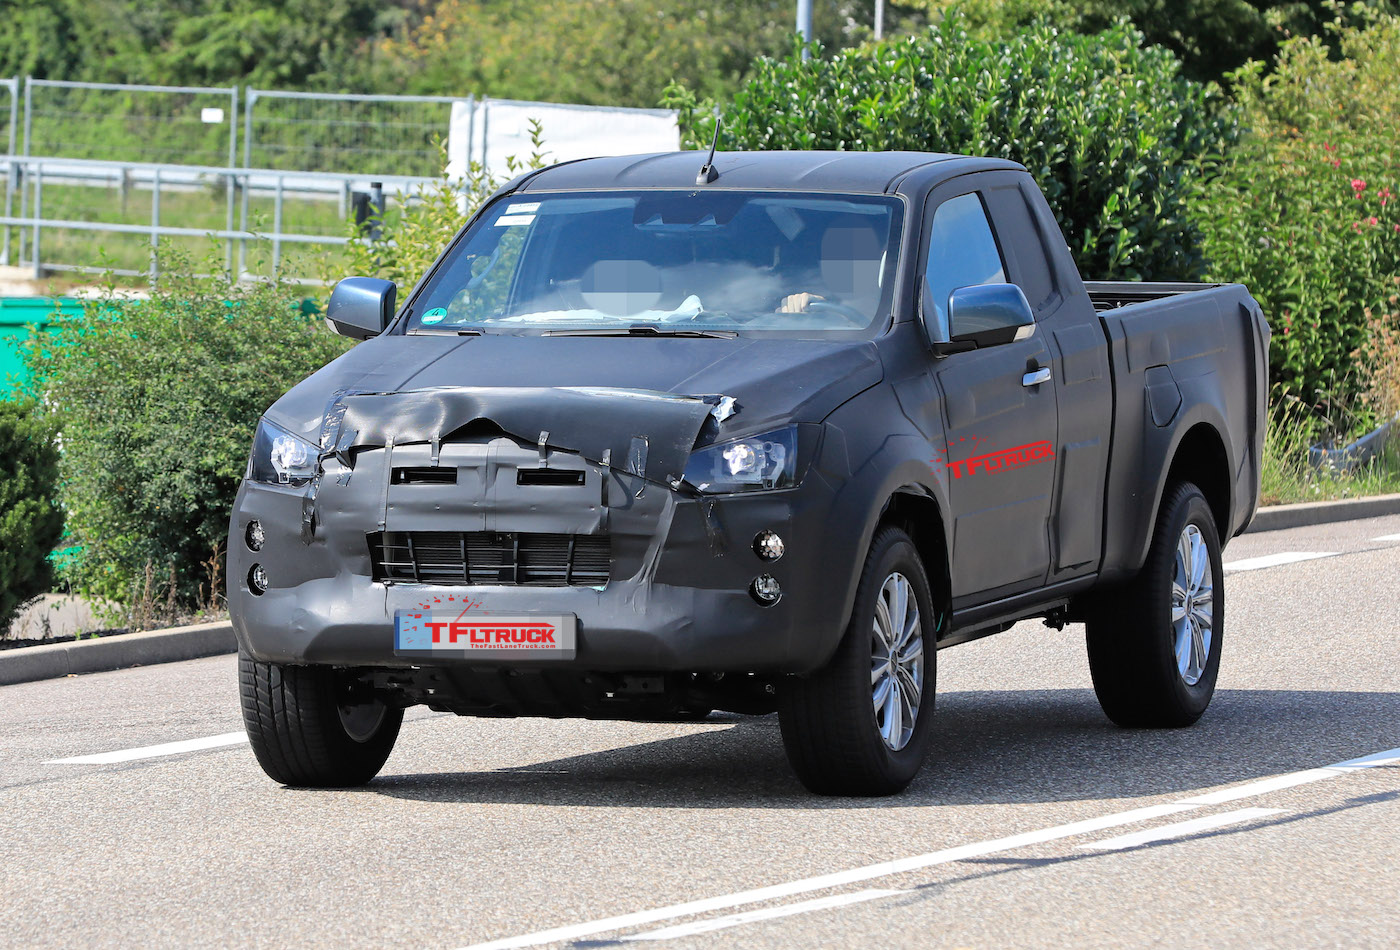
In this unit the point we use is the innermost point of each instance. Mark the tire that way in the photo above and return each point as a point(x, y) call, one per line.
point(306, 728)
point(1154, 660)
point(835, 738)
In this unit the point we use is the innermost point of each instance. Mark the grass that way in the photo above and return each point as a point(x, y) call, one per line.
point(1289, 477)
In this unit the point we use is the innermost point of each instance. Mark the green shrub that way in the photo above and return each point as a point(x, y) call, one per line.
point(413, 236)
point(159, 400)
point(1305, 211)
point(1110, 129)
point(31, 521)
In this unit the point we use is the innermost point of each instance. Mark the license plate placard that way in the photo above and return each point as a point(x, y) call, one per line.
point(478, 635)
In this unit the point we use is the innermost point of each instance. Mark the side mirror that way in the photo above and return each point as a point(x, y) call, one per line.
point(361, 307)
point(989, 315)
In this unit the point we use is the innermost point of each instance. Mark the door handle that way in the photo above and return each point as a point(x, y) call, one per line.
point(1037, 377)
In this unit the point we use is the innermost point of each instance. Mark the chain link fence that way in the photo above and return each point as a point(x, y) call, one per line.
point(303, 131)
point(185, 125)
point(9, 115)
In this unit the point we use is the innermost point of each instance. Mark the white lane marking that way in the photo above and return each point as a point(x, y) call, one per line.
point(769, 913)
point(1387, 537)
point(777, 891)
point(836, 879)
point(154, 751)
point(1291, 779)
point(1274, 560)
point(1180, 829)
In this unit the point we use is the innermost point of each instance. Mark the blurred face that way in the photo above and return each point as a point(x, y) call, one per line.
point(852, 259)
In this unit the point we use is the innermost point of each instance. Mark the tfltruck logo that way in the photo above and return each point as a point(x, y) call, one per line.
point(1032, 453)
point(469, 631)
point(493, 635)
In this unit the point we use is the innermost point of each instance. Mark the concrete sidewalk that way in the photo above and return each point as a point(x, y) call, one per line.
point(116, 652)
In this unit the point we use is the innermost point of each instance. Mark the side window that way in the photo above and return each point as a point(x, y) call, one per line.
point(961, 250)
point(1022, 238)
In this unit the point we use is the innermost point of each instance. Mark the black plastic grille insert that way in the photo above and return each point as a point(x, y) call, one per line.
point(490, 557)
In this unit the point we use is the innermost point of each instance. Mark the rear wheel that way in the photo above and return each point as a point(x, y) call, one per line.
point(1154, 647)
point(314, 726)
point(861, 725)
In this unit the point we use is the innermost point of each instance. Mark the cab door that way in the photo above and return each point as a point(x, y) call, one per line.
point(1000, 414)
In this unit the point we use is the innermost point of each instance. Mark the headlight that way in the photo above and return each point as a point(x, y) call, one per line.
point(753, 464)
point(280, 458)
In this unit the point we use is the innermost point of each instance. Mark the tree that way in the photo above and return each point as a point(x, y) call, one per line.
point(613, 52)
point(1211, 37)
point(1109, 128)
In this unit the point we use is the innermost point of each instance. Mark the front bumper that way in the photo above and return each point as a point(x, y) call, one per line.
point(677, 599)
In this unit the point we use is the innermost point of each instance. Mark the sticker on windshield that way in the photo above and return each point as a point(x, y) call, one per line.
point(435, 315)
point(525, 208)
point(514, 220)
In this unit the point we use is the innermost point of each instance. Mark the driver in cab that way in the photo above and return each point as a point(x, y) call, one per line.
point(852, 262)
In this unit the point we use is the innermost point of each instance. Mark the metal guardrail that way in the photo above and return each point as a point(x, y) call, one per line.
point(164, 139)
point(29, 174)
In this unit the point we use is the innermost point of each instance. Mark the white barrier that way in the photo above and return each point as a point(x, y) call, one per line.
point(492, 130)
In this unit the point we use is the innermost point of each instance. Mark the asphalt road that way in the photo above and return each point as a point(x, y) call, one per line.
point(1030, 826)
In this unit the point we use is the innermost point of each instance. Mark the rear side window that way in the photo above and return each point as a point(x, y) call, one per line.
point(962, 251)
point(1020, 232)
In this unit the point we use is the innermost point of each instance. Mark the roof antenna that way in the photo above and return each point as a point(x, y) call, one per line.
point(707, 170)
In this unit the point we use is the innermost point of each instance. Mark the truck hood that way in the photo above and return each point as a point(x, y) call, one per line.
point(592, 395)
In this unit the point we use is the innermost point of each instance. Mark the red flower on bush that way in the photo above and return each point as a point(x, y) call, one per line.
point(1358, 185)
point(1372, 221)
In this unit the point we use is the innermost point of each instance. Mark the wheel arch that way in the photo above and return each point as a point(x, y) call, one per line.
point(919, 515)
point(1200, 458)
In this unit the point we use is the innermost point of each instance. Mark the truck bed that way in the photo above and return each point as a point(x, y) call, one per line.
point(1112, 294)
point(1181, 355)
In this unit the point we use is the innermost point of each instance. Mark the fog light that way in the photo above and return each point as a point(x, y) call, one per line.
point(254, 536)
point(257, 579)
point(768, 545)
point(766, 590)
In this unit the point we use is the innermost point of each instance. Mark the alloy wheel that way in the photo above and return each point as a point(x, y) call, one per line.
point(896, 661)
point(1193, 605)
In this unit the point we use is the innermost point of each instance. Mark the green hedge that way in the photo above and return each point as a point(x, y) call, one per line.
point(1110, 129)
point(31, 521)
point(159, 399)
point(1306, 212)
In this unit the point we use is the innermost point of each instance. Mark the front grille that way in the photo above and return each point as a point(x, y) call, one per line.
point(490, 557)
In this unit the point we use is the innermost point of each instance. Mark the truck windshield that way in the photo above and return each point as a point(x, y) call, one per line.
point(669, 262)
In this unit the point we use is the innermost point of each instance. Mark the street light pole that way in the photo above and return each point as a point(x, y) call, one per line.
point(879, 19)
point(804, 25)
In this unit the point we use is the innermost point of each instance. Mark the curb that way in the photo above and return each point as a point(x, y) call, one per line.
point(50, 660)
point(1278, 517)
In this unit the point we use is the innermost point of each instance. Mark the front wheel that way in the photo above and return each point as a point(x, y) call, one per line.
point(861, 725)
point(1154, 647)
point(313, 726)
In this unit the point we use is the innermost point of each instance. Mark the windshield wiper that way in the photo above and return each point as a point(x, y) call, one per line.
point(462, 331)
point(645, 331)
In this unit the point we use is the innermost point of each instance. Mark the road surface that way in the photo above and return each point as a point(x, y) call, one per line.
point(132, 811)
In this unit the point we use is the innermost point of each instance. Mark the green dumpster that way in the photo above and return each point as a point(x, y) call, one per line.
point(19, 316)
